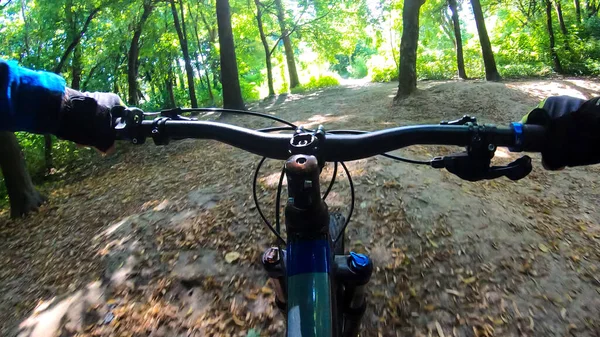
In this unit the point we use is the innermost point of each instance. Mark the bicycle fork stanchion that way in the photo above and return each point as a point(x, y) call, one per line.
point(353, 272)
point(272, 261)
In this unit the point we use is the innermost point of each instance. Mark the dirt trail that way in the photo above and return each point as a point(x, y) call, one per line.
point(169, 247)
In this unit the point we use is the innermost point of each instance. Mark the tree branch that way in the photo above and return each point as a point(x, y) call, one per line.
point(76, 41)
point(296, 26)
point(6, 4)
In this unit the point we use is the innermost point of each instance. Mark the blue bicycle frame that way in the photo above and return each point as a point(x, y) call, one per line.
point(309, 288)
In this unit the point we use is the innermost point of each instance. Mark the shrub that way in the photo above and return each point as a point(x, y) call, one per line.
point(524, 70)
point(387, 74)
point(249, 91)
point(359, 69)
point(314, 84)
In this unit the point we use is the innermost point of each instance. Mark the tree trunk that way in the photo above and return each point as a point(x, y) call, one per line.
point(578, 10)
point(407, 77)
point(203, 60)
point(491, 73)
point(555, 60)
point(460, 61)
point(72, 35)
point(232, 94)
point(265, 43)
point(180, 28)
point(25, 26)
point(169, 85)
point(90, 75)
point(561, 21)
point(76, 69)
point(287, 45)
point(116, 75)
point(21, 192)
point(133, 63)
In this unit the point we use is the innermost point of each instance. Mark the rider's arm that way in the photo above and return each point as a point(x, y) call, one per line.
point(572, 129)
point(39, 102)
point(29, 100)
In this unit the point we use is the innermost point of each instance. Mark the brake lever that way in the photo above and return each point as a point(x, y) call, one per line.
point(476, 169)
point(175, 114)
point(464, 120)
point(516, 170)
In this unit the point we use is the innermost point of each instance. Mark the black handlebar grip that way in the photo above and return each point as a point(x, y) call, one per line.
point(534, 138)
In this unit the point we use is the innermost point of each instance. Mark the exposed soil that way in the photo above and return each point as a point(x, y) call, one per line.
point(165, 241)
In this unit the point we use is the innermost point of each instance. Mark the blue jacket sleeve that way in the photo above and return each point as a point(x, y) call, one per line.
point(29, 100)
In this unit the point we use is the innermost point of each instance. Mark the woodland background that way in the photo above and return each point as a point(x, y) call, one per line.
point(157, 54)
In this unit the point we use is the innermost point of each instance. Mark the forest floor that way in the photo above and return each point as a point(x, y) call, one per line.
point(165, 241)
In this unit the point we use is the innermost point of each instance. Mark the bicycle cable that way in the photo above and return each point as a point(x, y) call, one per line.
point(255, 197)
point(341, 233)
point(241, 112)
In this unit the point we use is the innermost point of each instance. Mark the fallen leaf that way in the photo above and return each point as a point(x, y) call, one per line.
point(469, 280)
point(231, 257)
point(543, 248)
point(455, 293)
point(162, 205)
point(438, 327)
point(237, 321)
point(563, 313)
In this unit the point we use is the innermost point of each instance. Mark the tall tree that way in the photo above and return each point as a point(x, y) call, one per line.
point(562, 25)
point(202, 59)
point(577, 4)
point(265, 43)
point(22, 194)
point(491, 72)
point(287, 45)
point(407, 77)
point(182, 34)
point(76, 38)
point(232, 94)
point(133, 55)
point(553, 54)
point(72, 32)
point(460, 61)
point(74, 42)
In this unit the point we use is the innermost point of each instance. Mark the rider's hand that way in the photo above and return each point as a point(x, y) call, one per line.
point(86, 119)
point(573, 131)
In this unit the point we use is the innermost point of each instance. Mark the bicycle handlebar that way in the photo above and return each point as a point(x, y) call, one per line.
point(338, 147)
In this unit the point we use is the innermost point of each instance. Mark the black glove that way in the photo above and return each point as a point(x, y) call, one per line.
point(86, 119)
point(573, 131)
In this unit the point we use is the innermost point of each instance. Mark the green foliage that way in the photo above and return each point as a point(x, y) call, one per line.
point(317, 83)
point(359, 69)
point(355, 65)
point(353, 39)
point(387, 74)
